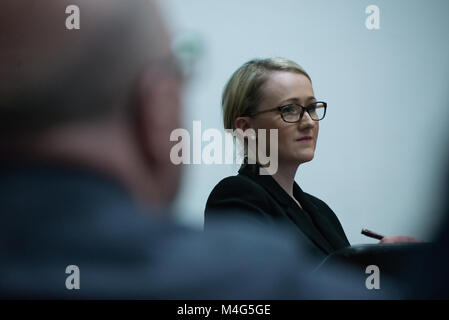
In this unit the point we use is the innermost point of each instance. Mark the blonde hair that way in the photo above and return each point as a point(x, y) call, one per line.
point(242, 93)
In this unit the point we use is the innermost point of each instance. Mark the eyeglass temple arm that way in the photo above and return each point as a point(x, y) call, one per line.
point(264, 111)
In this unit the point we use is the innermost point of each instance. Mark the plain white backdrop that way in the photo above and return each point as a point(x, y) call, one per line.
point(383, 144)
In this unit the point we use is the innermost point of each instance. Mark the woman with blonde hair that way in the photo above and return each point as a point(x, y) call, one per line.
point(276, 93)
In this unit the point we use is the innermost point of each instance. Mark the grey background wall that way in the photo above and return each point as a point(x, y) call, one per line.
point(383, 143)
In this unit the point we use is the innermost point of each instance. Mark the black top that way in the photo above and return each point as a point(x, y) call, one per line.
point(259, 196)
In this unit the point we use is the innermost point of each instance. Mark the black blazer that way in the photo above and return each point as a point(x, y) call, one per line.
point(260, 197)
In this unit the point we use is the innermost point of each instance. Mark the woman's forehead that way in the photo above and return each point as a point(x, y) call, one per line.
point(282, 85)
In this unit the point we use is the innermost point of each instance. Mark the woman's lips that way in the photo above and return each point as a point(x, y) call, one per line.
point(305, 139)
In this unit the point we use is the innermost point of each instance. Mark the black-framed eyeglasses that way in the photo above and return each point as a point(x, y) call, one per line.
point(293, 112)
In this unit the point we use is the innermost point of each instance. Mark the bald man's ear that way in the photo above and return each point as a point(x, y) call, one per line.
point(158, 113)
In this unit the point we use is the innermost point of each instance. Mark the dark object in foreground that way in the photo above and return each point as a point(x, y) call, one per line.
point(392, 259)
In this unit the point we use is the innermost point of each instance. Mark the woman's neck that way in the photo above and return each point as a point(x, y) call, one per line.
point(285, 177)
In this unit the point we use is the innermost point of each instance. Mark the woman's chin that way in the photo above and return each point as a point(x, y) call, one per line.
point(297, 158)
point(304, 157)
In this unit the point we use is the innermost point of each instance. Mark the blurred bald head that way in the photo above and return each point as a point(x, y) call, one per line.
point(51, 75)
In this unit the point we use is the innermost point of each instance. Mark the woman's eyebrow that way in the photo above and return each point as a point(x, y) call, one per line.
point(310, 98)
point(296, 100)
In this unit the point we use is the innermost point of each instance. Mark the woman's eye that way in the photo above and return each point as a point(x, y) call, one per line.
point(288, 109)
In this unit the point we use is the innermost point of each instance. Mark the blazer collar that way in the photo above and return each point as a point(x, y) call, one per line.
point(268, 182)
point(318, 229)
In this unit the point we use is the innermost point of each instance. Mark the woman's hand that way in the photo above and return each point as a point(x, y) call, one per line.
point(398, 239)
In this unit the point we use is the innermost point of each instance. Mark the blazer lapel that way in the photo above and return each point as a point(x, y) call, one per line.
point(326, 227)
point(295, 213)
point(300, 218)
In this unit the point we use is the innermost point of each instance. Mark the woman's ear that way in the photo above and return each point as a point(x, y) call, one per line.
point(242, 123)
point(247, 135)
point(246, 126)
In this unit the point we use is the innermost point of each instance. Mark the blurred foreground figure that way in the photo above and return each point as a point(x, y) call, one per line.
point(85, 118)
point(427, 276)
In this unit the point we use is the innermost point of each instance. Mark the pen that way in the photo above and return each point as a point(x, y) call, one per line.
point(371, 234)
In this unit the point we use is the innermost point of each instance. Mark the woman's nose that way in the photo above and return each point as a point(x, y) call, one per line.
point(306, 120)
